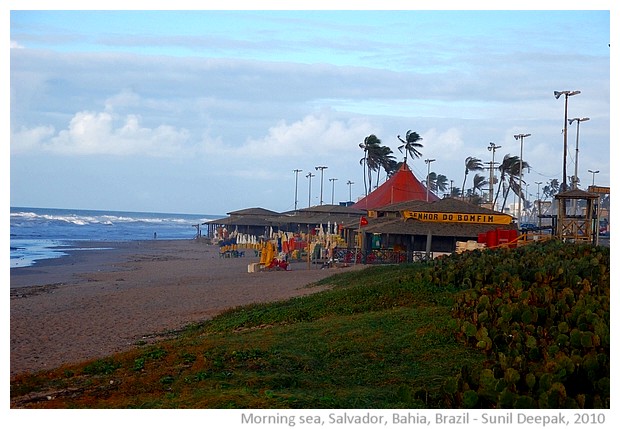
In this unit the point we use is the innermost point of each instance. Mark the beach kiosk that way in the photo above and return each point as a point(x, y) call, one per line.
point(577, 224)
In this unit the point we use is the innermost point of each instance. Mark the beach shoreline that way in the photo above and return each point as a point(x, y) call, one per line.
point(93, 303)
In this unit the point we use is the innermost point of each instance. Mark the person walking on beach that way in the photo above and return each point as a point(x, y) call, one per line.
point(155, 236)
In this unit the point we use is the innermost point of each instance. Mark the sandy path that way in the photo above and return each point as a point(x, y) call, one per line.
point(96, 303)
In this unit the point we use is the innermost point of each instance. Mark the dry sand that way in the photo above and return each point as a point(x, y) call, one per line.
point(97, 302)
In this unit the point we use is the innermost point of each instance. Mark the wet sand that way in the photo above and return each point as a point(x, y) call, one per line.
point(94, 303)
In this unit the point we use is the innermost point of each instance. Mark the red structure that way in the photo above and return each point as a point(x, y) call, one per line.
point(496, 237)
point(402, 186)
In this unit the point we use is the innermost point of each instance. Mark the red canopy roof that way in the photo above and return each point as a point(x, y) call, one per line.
point(402, 186)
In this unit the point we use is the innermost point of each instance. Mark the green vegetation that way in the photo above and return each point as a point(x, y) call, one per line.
point(526, 327)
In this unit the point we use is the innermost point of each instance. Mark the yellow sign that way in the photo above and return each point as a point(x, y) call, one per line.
point(499, 219)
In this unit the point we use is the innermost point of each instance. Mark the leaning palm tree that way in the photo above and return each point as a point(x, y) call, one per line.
point(437, 182)
point(392, 167)
point(471, 164)
point(411, 145)
point(370, 145)
point(386, 161)
point(510, 171)
point(441, 183)
point(503, 168)
point(479, 182)
point(551, 189)
point(431, 181)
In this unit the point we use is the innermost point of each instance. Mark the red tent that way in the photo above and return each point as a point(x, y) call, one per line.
point(402, 186)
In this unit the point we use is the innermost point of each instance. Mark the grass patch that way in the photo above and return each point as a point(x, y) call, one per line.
point(382, 337)
point(376, 339)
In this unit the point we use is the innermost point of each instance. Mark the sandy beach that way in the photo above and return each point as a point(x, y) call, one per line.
point(94, 303)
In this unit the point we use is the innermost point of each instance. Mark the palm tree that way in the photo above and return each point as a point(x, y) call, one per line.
point(471, 164)
point(411, 145)
point(386, 161)
point(442, 183)
point(510, 170)
point(479, 182)
point(431, 181)
point(392, 167)
point(551, 188)
point(374, 157)
point(437, 182)
point(370, 145)
point(503, 168)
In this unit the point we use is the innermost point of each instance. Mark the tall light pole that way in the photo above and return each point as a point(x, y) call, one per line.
point(538, 191)
point(296, 171)
point(593, 173)
point(557, 95)
point(310, 176)
point(428, 185)
point(333, 180)
point(521, 137)
point(538, 200)
point(492, 147)
point(350, 183)
point(317, 169)
point(579, 121)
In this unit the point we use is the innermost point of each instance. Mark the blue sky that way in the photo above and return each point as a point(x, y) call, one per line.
point(211, 111)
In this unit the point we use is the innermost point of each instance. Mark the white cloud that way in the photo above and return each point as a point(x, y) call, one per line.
point(102, 133)
point(27, 140)
point(448, 144)
point(315, 135)
point(126, 98)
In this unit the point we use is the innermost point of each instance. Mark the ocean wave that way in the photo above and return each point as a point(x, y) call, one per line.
point(105, 219)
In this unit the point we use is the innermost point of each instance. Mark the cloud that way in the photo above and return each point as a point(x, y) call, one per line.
point(29, 140)
point(315, 135)
point(448, 144)
point(103, 133)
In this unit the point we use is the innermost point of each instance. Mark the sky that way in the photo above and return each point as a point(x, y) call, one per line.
point(211, 111)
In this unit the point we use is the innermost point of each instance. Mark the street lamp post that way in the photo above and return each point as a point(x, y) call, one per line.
point(538, 200)
point(309, 176)
point(333, 180)
point(557, 95)
point(350, 183)
point(428, 185)
point(593, 173)
point(579, 121)
point(492, 147)
point(296, 171)
point(521, 137)
point(321, 168)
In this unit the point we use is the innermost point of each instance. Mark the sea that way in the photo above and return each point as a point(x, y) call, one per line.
point(43, 233)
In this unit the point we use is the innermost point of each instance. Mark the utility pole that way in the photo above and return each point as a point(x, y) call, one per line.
point(333, 180)
point(517, 137)
point(492, 148)
point(566, 94)
point(350, 183)
point(310, 176)
point(428, 185)
point(538, 201)
point(296, 171)
point(317, 169)
point(593, 173)
point(576, 176)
